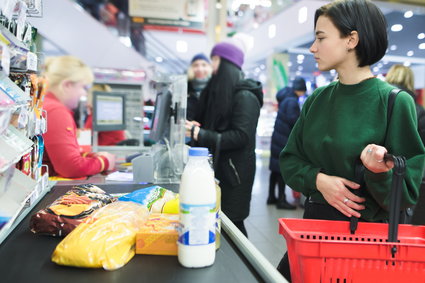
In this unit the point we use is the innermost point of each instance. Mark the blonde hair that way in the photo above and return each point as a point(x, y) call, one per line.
point(61, 68)
point(402, 76)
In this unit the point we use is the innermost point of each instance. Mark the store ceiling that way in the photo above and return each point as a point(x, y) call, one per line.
point(403, 46)
point(296, 40)
point(292, 37)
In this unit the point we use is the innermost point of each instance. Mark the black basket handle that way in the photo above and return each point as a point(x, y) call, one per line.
point(399, 171)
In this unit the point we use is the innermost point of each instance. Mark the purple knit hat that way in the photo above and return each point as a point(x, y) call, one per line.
point(229, 52)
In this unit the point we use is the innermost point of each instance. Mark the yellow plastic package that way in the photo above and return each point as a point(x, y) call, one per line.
point(106, 239)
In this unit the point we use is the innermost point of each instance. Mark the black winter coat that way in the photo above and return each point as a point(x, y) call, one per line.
point(235, 168)
point(287, 115)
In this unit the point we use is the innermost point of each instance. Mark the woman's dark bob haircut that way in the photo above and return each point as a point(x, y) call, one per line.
point(365, 18)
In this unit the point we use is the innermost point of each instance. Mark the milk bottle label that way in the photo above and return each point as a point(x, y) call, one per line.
point(198, 224)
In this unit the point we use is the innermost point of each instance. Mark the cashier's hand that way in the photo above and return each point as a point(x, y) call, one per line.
point(334, 190)
point(197, 128)
point(111, 159)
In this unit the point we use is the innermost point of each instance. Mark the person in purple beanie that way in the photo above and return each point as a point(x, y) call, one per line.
point(226, 123)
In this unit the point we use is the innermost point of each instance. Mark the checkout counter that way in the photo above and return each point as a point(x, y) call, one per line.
point(25, 257)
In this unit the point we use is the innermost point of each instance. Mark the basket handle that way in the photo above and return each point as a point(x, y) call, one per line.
point(358, 178)
point(399, 171)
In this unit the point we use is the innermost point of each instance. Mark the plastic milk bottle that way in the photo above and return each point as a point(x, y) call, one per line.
point(196, 244)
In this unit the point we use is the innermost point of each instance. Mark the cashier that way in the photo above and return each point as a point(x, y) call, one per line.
point(68, 80)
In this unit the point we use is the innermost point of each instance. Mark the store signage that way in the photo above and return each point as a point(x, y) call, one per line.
point(178, 13)
point(34, 8)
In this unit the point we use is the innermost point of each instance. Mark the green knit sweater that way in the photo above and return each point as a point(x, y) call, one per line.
point(335, 125)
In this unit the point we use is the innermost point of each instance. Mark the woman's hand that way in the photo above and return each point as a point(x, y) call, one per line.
point(334, 190)
point(189, 125)
point(372, 157)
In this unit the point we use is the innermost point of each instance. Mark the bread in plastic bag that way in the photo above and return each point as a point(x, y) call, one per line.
point(105, 239)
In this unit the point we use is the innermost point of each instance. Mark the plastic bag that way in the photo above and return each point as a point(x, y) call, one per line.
point(155, 198)
point(69, 210)
point(105, 239)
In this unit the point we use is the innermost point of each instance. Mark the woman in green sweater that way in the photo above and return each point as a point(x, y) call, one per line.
point(345, 123)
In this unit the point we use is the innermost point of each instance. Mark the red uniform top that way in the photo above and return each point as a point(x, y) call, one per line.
point(105, 137)
point(62, 153)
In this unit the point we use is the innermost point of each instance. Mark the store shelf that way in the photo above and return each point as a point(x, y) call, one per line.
point(12, 90)
point(14, 145)
point(25, 195)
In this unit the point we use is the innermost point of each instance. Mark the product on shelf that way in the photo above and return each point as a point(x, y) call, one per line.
point(69, 210)
point(106, 239)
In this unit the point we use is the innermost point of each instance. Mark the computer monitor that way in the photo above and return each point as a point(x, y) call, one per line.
point(108, 111)
point(160, 126)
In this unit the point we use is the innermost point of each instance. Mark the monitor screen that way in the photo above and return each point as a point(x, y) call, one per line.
point(160, 126)
point(108, 111)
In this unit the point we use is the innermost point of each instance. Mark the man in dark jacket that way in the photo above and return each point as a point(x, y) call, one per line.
point(226, 123)
point(287, 115)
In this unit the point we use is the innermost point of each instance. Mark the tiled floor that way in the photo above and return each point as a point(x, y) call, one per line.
point(262, 223)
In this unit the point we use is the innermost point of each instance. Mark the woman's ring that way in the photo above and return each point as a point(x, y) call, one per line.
point(369, 150)
point(346, 200)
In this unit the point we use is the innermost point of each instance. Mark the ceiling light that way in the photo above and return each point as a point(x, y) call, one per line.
point(289, 64)
point(300, 57)
point(159, 59)
point(396, 27)
point(407, 64)
point(298, 73)
point(421, 35)
point(272, 31)
point(375, 69)
point(218, 6)
point(408, 14)
point(332, 72)
point(302, 15)
point(410, 53)
point(300, 68)
point(422, 46)
point(393, 47)
point(262, 67)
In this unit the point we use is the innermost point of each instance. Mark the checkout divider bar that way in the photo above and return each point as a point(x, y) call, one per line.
point(266, 270)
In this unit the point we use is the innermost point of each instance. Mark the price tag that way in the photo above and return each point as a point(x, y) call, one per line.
point(23, 117)
point(31, 61)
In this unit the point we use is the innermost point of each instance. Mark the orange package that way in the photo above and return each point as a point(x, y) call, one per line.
point(158, 236)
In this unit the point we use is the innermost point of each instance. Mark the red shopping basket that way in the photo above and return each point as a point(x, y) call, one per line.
point(326, 251)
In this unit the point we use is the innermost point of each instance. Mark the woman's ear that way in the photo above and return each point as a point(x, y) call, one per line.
point(66, 84)
point(353, 40)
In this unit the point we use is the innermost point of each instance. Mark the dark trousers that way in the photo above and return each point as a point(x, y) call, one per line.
point(276, 178)
point(241, 227)
point(311, 211)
